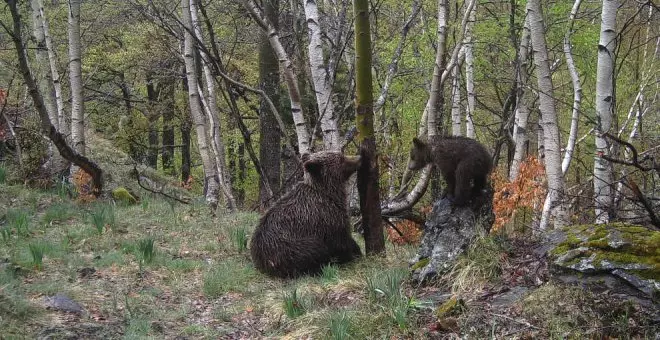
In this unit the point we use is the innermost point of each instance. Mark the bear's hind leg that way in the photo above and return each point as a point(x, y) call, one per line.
point(462, 191)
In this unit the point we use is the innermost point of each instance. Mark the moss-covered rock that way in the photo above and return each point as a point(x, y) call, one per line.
point(629, 252)
point(123, 195)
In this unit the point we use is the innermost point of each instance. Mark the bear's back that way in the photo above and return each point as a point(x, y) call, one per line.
point(449, 151)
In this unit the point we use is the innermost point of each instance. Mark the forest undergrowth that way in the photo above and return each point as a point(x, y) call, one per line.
point(160, 269)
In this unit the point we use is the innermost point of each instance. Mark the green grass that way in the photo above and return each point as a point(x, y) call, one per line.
point(329, 274)
point(19, 221)
point(293, 305)
point(239, 238)
point(146, 250)
point(340, 325)
point(37, 250)
point(3, 174)
point(57, 213)
point(227, 276)
point(102, 216)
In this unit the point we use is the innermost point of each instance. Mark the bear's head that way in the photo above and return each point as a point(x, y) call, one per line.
point(329, 169)
point(420, 155)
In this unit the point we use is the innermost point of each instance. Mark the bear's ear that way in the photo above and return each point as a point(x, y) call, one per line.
point(313, 167)
point(418, 142)
point(305, 157)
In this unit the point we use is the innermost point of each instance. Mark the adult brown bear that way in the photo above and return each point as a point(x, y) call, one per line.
point(463, 162)
point(308, 227)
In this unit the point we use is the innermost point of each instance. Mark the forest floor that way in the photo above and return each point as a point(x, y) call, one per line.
point(170, 271)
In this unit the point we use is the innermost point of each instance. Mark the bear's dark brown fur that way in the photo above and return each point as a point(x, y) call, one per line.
point(463, 162)
point(308, 227)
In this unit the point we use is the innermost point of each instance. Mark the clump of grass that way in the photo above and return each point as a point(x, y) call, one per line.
point(3, 174)
point(227, 276)
point(5, 233)
point(37, 252)
point(293, 306)
point(103, 215)
point(64, 189)
point(146, 250)
point(18, 219)
point(57, 213)
point(340, 326)
point(329, 274)
point(386, 283)
point(239, 238)
point(481, 263)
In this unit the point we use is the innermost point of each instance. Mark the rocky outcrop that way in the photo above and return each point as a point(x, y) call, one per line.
point(630, 253)
point(449, 230)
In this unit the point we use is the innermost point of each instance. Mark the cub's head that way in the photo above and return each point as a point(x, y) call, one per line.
point(420, 155)
point(327, 167)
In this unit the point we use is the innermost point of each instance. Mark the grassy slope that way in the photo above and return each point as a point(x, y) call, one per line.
point(200, 282)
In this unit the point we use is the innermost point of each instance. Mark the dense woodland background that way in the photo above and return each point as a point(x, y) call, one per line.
point(210, 103)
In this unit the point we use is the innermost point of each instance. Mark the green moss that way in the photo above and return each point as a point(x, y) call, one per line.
point(122, 194)
point(452, 306)
point(421, 263)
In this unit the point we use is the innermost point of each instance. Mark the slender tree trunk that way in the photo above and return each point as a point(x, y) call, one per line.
point(167, 152)
point(438, 70)
point(208, 161)
point(523, 102)
point(63, 121)
point(47, 127)
point(269, 136)
point(577, 90)
point(469, 74)
point(213, 114)
point(75, 78)
point(321, 79)
point(42, 71)
point(456, 123)
point(367, 177)
point(554, 205)
point(605, 103)
point(186, 164)
point(289, 75)
point(153, 114)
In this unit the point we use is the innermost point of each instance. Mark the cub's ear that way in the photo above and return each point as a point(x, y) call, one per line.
point(305, 157)
point(313, 167)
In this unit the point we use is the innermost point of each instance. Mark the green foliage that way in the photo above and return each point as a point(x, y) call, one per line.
point(239, 238)
point(329, 274)
point(122, 194)
point(227, 276)
point(386, 284)
point(340, 326)
point(19, 220)
point(57, 213)
point(146, 250)
point(293, 306)
point(37, 252)
point(102, 215)
point(3, 173)
point(5, 232)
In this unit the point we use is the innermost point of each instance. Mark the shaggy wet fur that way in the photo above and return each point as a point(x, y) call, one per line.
point(308, 227)
point(463, 162)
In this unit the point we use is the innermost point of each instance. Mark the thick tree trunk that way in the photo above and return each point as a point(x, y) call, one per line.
point(523, 102)
point(367, 176)
point(269, 136)
point(321, 79)
point(554, 205)
point(47, 127)
point(208, 160)
point(75, 78)
point(605, 103)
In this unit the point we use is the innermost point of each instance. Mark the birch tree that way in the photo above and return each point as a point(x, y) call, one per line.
point(469, 74)
point(322, 79)
point(42, 71)
point(554, 205)
point(75, 78)
point(605, 101)
point(456, 121)
point(524, 99)
point(438, 69)
point(577, 90)
point(208, 161)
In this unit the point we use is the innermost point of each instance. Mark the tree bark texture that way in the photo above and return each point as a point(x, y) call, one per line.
point(605, 103)
point(577, 90)
point(75, 78)
point(438, 70)
point(554, 205)
point(523, 102)
point(469, 74)
point(367, 176)
point(456, 122)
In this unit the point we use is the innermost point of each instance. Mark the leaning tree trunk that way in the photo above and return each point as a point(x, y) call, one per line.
point(524, 101)
point(469, 74)
point(47, 127)
point(42, 71)
point(577, 90)
point(63, 121)
point(321, 79)
point(605, 102)
point(75, 79)
point(554, 204)
point(208, 161)
point(367, 178)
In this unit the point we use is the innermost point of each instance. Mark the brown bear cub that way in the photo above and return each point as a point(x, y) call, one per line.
point(463, 162)
point(309, 226)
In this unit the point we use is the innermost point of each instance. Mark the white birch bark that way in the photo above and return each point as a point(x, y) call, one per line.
point(603, 177)
point(208, 162)
point(456, 121)
point(554, 206)
point(523, 98)
point(577, 90)
point(42, 71)
point(289, 75)
point(436, 84)
point(75, 78)
point(469, 74)
point(213, 114)
point(63, 120)
point(321, 79)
